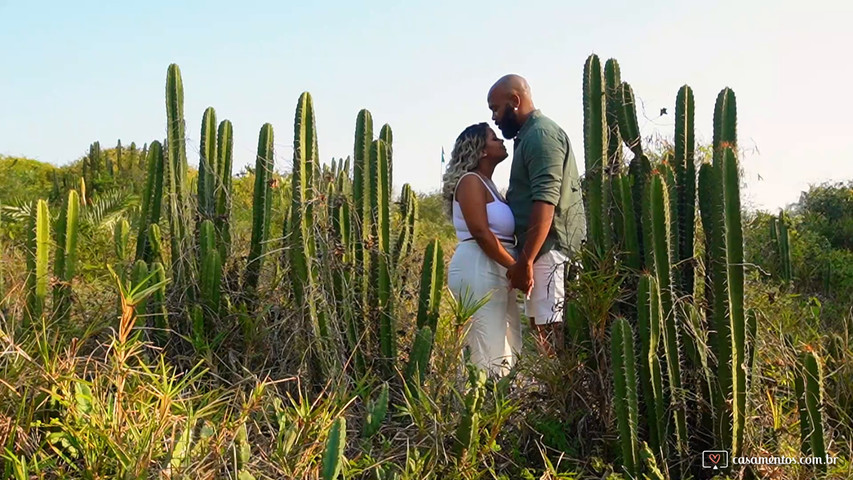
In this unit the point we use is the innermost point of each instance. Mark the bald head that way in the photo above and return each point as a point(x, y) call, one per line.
point(511, 103)
point(509, 86)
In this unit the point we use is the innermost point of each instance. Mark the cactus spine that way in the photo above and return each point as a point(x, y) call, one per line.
point(595, 146)
point(152, 198)
point(179, 213)
point(625, 386)
point(65, 259)
point(261, 209)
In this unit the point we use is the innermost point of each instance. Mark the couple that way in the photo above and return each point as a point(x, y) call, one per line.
point(520, 243)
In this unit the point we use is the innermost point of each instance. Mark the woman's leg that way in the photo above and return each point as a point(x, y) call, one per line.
point(471, 276)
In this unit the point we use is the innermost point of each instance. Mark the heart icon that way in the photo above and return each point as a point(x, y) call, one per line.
point(714, 457)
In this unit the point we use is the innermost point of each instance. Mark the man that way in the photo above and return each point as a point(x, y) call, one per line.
point(545, 197)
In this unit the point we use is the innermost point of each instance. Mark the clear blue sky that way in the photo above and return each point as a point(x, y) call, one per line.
point(76, 72)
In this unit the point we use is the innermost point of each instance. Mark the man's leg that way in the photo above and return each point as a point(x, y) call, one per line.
point(544, 308)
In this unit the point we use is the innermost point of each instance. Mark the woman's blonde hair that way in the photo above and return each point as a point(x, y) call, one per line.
point(464, 158)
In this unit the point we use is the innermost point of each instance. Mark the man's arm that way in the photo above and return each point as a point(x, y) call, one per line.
point(540, 223)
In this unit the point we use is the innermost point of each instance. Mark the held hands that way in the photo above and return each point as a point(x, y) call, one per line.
point(520, 276)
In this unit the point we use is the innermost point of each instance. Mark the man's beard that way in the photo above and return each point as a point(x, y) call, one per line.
point(509, 125)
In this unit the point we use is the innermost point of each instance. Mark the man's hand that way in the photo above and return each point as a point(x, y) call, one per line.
point(520, 276)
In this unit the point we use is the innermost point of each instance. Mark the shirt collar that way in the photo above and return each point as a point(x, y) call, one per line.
point(524, 128)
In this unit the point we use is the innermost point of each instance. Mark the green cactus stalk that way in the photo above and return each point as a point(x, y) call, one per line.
point(612, 80)
point(305, 157)
point(716, 298)
point(210, 264)
point(432, 284)
point(629, 128)
point(361, 188)
point(333, 456)
point(783, 247)
point(121, 233)
point(416, 368)
point(155, 243)
point(224, 162)
point(648, 325)
point(261, 210)
point(152, 198)
point(659, 216)
point(408, 217)
point(468, 430)
point(37, 260)
point(65, 259)
point(139, 279)
point(685, 170)
point(207, 168)
point(387, 136)
point(735, 277)
point(813, 395)
point(595, 148)
point(640, 174)
point(628, 218)
point(376, 411)
point(725, 123)
point(157, 305)
point(179, 209)
point(118, 156)
point(380, 272)
point(625, 393)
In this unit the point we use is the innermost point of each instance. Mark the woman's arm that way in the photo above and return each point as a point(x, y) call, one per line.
point(471, 195)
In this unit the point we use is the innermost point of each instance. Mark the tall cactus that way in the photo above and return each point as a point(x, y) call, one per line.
point(625, 391)
point(735, 278)
point(685, 171)
point(224, 162)
point(207, 167)
point(783, 246)
point(38, 240)
point(659, 216)
point(648, 325)
point(152, 198)
point(387, 136)
point(416, 369)
point(305, 157)
point(813, 401)
point(65, 259)
point(210, 264)
point(432, 284)
point(380, 276)
point(716, 297)
point(261, 209)
point(408, 218)
point(612, 80)
point(179, 209)
point(595, 148)
point(629, 128)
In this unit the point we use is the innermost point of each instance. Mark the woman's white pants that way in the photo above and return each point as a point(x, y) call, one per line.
point(494, 331)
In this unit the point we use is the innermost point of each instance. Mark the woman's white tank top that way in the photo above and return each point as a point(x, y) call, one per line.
point(501, 220)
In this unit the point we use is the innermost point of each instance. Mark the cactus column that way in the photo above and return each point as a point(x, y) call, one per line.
point(595, 146)
point(261, 210)
point(65, 259)
point(179, 209)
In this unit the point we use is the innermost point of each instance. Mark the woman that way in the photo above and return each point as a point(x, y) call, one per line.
point(485, 229)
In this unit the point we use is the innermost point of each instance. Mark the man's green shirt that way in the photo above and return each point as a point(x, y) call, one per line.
point(544, 169)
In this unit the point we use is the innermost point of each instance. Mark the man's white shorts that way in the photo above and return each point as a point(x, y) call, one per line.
point(545, 304)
